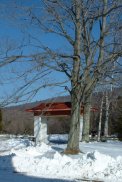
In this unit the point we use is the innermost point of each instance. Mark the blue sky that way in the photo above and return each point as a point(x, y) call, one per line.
point(11, 32)
point(15, 32)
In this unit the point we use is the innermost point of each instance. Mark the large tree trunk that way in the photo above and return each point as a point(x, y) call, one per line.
point(100, 120)
point(106, 115)
point(86, 120)
point(73, 140)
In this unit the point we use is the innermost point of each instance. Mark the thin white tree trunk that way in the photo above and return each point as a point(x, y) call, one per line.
point(86, 119)
point(106, 115)
point(100, 119)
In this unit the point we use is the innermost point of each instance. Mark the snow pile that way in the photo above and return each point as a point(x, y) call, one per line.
point(44, 161)
point(13, 143)
point(31, 151)
point(99, 166)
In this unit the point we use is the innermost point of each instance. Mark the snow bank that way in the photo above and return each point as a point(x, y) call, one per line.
point(13, 143)
point(44, 161)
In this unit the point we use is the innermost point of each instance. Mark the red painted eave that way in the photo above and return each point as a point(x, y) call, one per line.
point(60, 108)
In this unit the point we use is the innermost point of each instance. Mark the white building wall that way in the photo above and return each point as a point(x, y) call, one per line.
point(40, 126)
point(40, 129)
point(81, 127)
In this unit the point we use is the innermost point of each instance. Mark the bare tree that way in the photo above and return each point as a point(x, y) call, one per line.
point(92, 30)
point(100, 120)
point(106, 88)
point(107, 103)
point(104, 109)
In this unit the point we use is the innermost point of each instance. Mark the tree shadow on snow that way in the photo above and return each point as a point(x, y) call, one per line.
point(8, 173)
point(58, 141)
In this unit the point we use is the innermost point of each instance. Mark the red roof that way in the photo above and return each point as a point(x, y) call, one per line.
point(58, 108)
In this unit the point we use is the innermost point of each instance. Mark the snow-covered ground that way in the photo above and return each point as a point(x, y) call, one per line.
point(21, 161)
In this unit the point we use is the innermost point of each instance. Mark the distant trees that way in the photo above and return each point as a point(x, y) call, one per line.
point(115, 125)
point(104, 111)
point(92, 32)
point(108, 88)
